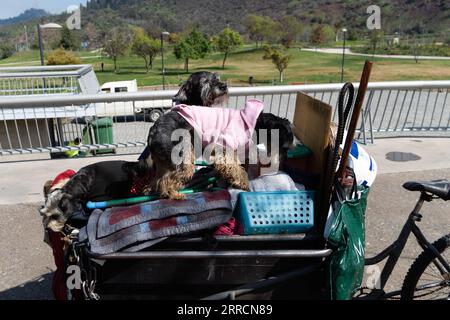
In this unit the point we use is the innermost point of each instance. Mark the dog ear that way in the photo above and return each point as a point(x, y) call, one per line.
point(47, 186)
point(181, 96)
point(286, 133)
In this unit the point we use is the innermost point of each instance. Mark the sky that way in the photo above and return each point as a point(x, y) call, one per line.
point(9, 9)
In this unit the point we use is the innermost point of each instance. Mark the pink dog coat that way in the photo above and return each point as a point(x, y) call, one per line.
point(228, 128)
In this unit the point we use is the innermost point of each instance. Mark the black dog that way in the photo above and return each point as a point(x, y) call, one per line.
point(171, 177)
point(203, 88)
point(100, 181)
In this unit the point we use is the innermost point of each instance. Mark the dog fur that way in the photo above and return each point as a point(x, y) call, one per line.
point(202, 88)
point(101, 181)
point(170, 177)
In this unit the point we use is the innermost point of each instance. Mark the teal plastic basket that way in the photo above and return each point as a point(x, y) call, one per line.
point(276, 212)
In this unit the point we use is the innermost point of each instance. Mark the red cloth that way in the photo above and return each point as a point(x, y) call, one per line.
point(62, 176)
point(141, 182)
point(227, 229)
point(58, 283)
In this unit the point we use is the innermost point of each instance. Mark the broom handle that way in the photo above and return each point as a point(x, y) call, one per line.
point(355, 116)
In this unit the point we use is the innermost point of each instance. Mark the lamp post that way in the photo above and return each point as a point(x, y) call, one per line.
point(164, 33)
point(50, 123)
point(39, 29)
point(344, 31)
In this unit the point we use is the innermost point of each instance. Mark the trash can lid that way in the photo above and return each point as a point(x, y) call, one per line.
point(102, 122)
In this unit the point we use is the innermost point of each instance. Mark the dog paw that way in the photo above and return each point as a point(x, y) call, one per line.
point(147, 191)
point(242, 184)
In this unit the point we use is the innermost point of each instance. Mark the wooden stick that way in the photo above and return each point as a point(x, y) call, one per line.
point(355, 116)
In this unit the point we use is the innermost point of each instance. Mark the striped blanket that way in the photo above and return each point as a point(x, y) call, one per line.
point(139, 226)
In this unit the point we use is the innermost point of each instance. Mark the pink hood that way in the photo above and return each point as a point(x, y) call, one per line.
point(228, 128)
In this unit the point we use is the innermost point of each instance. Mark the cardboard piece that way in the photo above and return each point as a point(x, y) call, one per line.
point(312, 121)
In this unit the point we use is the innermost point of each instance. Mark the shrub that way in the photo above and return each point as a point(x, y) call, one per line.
point(62, 57)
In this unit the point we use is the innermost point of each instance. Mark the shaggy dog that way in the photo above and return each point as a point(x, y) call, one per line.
point(234, 130)
point(203, 88)
point(101, 181)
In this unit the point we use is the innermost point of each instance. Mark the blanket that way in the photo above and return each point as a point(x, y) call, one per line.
point(144, 224)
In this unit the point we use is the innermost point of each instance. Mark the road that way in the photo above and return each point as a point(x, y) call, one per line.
point(387, 56)
point(26, 265)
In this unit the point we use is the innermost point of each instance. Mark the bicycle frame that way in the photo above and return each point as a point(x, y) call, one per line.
point(394, 251)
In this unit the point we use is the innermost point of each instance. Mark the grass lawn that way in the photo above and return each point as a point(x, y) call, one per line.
point(304, 67)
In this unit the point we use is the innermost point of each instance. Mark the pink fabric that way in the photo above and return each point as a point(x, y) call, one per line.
point(228, 128)
point(226, 229)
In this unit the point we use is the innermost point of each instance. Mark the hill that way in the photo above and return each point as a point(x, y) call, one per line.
point(27, 15)
point(409, 17)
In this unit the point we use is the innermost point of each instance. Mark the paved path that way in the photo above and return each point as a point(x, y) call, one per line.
point(387, 56)
point(26, 265)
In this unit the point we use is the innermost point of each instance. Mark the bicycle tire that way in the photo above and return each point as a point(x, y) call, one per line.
point(419, 266)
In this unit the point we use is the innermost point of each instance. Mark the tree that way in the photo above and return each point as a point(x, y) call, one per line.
point(6, 51)
point(69, 41)
point(291, 28)
point(145, 47)
point(62, 57)
point(279, 59)
point(256, 28)
point(194, 45)
point(116, 45)
point(322, 34)
point(226, 42)
point(317, 36)
point(261, 28)
point(375, 38)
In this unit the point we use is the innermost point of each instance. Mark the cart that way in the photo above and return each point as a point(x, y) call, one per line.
point(282, 266)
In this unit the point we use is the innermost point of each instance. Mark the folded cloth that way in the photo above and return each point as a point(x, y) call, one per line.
point(118, 228)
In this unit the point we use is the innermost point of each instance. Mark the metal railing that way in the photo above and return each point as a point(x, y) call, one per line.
point(46, 123)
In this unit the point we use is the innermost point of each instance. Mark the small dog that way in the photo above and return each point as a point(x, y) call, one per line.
point(101, 181)
point(233, 129)
point(202, 88)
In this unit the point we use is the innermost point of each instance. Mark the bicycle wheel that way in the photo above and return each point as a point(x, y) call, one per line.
point(427, 278)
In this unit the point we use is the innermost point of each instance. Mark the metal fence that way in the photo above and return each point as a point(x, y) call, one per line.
point(46, 123)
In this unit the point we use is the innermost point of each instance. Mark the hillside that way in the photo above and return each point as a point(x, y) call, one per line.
point(100, 16)
point(28, 15)
point(411, 16)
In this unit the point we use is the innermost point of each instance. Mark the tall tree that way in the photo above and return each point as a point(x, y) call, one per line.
point(145, 47)
point(256, 28)
point(279, 58)
point(322, 34)
point(194, 45)
point(69, 40)
point(116, 45)
point(291, 29)
point(226, 42)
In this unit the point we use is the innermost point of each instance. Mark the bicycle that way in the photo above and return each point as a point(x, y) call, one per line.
point(429, 275)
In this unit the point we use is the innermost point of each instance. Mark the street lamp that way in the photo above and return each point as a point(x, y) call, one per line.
point(39, 28)
point(164, 33)
point(343, 55)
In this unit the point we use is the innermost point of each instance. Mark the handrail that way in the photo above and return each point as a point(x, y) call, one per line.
point(83, 99)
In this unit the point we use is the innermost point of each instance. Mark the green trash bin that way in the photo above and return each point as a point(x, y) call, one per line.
point(99, 131)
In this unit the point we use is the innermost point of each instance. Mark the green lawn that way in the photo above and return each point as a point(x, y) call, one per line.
point(304, 67)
